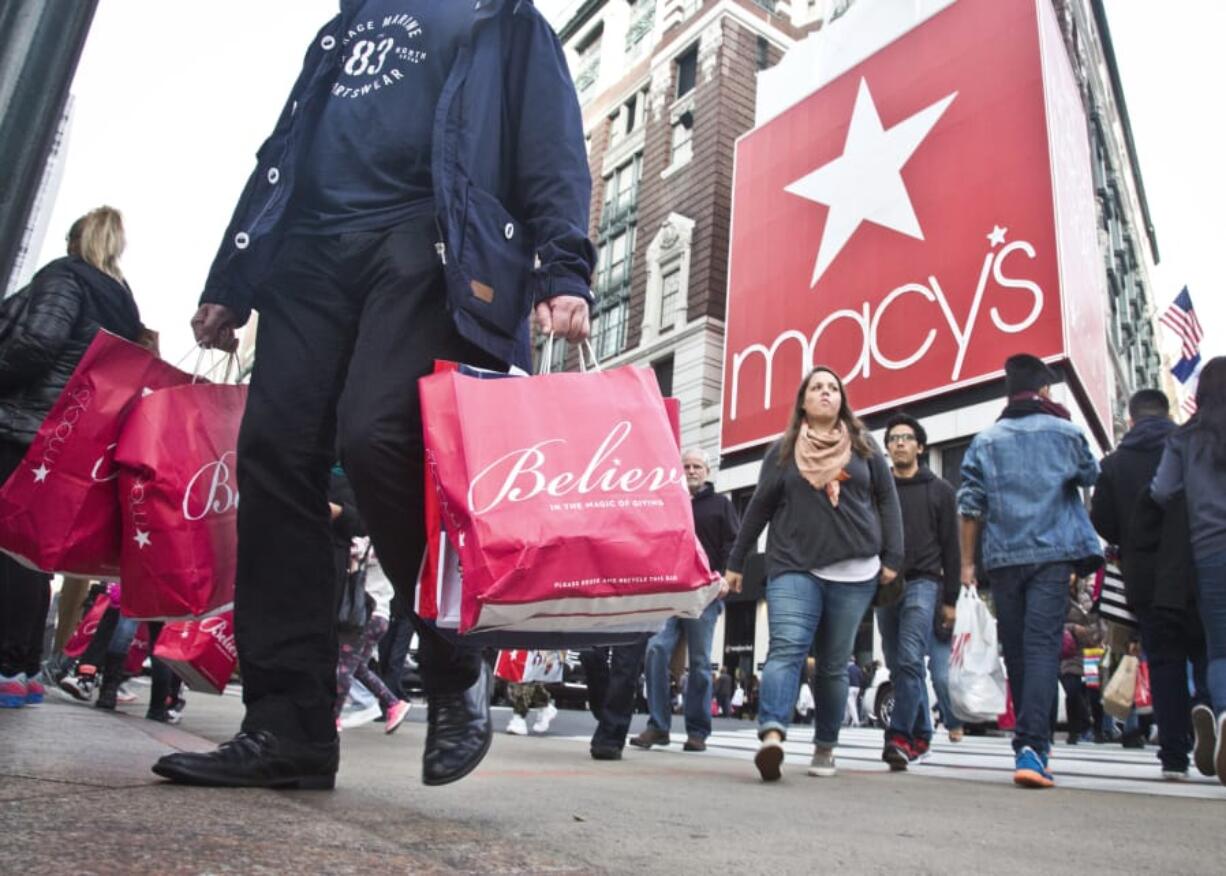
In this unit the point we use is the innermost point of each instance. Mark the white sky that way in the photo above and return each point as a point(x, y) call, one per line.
point(174, 97)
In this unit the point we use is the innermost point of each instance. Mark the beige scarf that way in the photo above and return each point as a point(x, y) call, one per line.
point(822, 458)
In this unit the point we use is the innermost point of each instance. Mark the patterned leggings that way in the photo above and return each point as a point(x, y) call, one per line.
point(355, 662)
point(527, 696)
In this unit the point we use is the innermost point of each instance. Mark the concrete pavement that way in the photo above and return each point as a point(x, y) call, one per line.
point(77, 796)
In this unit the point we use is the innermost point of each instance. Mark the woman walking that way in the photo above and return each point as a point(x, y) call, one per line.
point(835, 532)
point(1194, 463)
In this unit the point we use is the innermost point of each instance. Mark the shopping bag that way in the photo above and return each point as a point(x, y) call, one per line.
point(178, 494)
point(1120, 693)
point(976, 677)
point(1143, 696)
point(86, 627)
point(1112, 600)
point(59, 510)
point(201, 652)
point(577, 518)
point(138, 651)
point(520, 666)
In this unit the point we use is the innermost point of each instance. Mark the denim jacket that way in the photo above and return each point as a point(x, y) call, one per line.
point(511, 179)
point(1020, 477)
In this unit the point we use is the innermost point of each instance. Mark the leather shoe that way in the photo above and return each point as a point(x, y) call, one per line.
point(256, 759)
point(606, 752)
point(694, 743)
point(458, 732)
point(649, 737)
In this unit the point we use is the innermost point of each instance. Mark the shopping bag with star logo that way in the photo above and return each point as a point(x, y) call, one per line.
point(178, 496)
point(59, 511)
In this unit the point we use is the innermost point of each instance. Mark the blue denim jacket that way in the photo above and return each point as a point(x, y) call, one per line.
point(511, 178)
point(1021, 478)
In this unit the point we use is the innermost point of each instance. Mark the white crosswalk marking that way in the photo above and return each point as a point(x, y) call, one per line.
point(977, 758)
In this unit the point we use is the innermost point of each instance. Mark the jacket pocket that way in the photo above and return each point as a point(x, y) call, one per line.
point(496, 258)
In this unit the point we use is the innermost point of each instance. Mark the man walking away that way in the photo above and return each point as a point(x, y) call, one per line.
point(930, 573)
point(1171, 632)
point(716, 524)
point(1020, 480)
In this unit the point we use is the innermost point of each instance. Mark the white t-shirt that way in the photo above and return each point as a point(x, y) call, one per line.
point(853, 571)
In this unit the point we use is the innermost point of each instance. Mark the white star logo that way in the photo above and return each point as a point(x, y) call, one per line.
point(997, 236)
point(142, 539)
point(865, 183)
point(40, 473)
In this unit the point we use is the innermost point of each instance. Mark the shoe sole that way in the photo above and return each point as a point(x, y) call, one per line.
point(1205, 733)
point(896, 758)
point(638, 743)
point(768, 760)
point(1031, 779)
point(468, 768)
point(688, 747)
point(1219, 754)
point(393, 726)
point(12, 702)
point(612, 755)
point(324, 782)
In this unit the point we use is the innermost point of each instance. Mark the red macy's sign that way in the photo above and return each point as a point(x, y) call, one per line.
point(922, 215)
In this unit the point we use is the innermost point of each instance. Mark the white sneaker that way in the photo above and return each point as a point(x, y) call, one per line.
point(518, 726)
point(544, 718)
point(822, 765)
point(351, 718)
point(125, 696)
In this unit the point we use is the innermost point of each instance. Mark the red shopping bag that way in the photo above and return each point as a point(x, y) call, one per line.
point(137, 651)
point(59, 510)
point(1143, 697)
point(577, 518)
point(179, 498)
point(519, 666)
point(201, 652)
point(88, 625)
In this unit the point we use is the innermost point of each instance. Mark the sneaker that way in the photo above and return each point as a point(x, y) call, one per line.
point(822, 765)
point(919, 750)
point(649, 737)
point(1206, 737)
point(518, 726)
point(125, 696)
point(955, 735)
point(769, 759)
point(897, 753)
point(351, 718)
point(80, 686)
point(544, 717)
point(36, 692)
point(1219, 751)
point(1173, 775)
point(396, 713)
point(162, 716)
point(1030, 770)
point(12, 691)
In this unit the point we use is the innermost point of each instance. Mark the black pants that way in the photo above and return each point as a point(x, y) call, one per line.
point(348, 323)
point(1076, 704)
point(1171, 640)
point(25, 597)
point(612, 676)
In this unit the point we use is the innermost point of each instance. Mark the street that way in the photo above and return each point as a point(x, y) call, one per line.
point(79, 798)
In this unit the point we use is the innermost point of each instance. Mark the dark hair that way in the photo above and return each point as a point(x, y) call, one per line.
point(1148, 403)
point(859, 435)
point(901, 419)
point(1026, 373)
point(1211, 405)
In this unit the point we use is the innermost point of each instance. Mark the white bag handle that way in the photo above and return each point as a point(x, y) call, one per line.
point(588, 363)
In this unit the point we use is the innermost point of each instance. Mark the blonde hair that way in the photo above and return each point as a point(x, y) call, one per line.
point(97, 237)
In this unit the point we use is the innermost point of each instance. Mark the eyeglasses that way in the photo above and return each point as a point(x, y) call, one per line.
point(900, 438)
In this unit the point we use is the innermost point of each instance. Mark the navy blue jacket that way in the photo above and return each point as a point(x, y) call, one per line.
point(511, 179)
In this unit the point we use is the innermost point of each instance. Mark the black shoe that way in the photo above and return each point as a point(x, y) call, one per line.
point(160, 715)
point(649, 737)
point(606, 752)
point(1132, 740)
point(458, 732)
point(112, 677)
point(256, 759)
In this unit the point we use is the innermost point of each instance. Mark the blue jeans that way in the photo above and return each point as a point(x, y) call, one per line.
point(698, 635)
point(1211, 594)
point(1031, 607)
point(798, 606)
point(906, 628)
point(938, 663)
point(125, 632)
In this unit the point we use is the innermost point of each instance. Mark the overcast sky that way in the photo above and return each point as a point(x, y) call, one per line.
point(173, 99)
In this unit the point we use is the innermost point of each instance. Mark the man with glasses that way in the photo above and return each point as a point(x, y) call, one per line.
point(930, 575)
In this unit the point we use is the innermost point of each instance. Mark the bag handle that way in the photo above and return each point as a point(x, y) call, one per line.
point(230, 360)
point(587, 357)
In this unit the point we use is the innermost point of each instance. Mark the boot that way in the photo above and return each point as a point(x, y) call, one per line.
point(112, 676)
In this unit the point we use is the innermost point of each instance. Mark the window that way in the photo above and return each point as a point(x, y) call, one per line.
point(631, 113)
point(670, 292)
point(687, 71)
point(587, 70)
point(663, 369)
point(764, 58)
point(621, 192)
point(683, 132)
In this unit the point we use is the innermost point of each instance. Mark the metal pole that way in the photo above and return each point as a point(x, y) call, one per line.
point(40, 44)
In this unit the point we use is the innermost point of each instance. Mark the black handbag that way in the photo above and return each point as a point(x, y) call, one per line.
point(353, 613)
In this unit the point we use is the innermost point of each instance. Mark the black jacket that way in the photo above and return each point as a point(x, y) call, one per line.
point(1160, 570)
point(930, 531)
point(716, 523)
point(69, 300)
point(1124, 477)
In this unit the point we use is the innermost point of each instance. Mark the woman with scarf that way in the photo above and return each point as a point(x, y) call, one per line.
point(835, 534)
point(46, 329)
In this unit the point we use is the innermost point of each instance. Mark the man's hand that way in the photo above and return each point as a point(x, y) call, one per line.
point(949, 614)
point(968, 575)
point(566, 316)
point(723, 589)
point(335, 510)
point(732, 580)
point(888, 575)
point(214, 326)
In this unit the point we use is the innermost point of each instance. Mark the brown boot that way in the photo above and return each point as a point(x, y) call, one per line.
point(694, 743)
point(649, 737)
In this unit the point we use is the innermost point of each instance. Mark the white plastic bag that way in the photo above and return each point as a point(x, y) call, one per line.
point(976, 676)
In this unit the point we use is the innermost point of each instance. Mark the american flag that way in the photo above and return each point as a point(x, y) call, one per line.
point(1180, 318)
